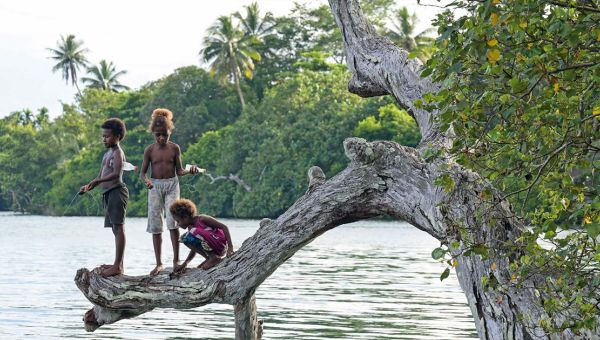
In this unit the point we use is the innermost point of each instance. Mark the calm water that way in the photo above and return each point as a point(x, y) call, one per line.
point(367, 280)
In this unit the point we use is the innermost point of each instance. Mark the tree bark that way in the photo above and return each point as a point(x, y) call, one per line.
point(377, 67)
point(247, 326)
point(381, 178)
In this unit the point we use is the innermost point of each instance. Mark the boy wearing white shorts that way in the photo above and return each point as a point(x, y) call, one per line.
point(164, 159)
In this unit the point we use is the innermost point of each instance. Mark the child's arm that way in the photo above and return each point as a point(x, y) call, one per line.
point(212, 222)
point(178, 168)
point(145, 165)
point(180, 268)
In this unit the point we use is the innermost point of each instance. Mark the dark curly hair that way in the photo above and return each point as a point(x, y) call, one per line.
point(116, 126)
point(183, 208)
point(162, 118)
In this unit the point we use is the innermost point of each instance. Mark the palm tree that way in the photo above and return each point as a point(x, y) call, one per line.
point(70, 56)
point(229, 53)
point(253, 25)
point(402, 35)
point(105, 76)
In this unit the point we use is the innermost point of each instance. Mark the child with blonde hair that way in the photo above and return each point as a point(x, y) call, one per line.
point(205, 236)
point(164, 159)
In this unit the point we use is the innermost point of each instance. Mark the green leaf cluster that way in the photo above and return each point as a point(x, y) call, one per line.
point(521, 94)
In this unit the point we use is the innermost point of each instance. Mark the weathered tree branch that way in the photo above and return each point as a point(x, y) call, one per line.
point(379, 67)
point(382, 178)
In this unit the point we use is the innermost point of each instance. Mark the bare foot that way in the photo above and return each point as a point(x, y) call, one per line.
point(211, 262)
point(104, 266)
point(112, 271)
point(159, 268)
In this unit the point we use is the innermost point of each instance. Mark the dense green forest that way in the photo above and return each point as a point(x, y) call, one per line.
point(283, 108)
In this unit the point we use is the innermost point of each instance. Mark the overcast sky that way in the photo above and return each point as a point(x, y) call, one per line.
point(147, 38)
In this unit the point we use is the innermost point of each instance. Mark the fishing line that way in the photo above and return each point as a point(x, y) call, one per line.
point(97, 204)
point(70, 204)
point(93, 197)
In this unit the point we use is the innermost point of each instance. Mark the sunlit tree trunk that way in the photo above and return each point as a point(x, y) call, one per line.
point(236, 77)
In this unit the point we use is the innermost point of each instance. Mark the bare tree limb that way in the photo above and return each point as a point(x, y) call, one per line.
point(231, 177)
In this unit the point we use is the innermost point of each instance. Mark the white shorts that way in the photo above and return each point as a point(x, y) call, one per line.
point(163, 193)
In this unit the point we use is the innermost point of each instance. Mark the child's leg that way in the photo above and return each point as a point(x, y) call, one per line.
point(116, 205)
point(156, 206)
point(200, 247)
point(212, 260)
point(172, 195)
point(193, 243)
point(117, 267)
point(107, 223)
point(157, 243)
point(175, 243)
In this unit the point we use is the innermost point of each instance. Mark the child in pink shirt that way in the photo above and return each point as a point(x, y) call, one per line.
point(206, 235)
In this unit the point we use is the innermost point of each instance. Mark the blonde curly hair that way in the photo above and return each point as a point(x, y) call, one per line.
point(183, 208)
point(162, 118)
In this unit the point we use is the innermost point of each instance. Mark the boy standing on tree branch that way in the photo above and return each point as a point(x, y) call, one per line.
point(164, 158)
point(114, 191)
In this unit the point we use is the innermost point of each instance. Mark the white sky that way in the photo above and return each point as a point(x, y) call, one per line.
point(147, 38)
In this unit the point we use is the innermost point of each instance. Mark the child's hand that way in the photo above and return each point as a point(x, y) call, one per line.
point(230, 252)
point(148, 183)
point(91, 185)
point(179, 268)
point(87, 187)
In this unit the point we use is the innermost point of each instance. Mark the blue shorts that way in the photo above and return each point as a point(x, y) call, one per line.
point(196, 243)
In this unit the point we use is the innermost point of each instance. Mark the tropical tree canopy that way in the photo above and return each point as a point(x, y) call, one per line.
point(253, 25)
point(105, 76)
point(523, 97)
point(70, 56)
point(402, 34)
point(229, 52)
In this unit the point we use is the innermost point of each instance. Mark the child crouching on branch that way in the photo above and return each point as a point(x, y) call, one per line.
point(205, 236)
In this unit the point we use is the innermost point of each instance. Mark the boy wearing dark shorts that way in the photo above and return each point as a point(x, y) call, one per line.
point(114, 191)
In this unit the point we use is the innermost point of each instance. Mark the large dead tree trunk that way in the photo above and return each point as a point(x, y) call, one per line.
point(381, 178)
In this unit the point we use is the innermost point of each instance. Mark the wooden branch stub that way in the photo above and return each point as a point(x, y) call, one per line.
point(365, 88)
point(264, 222)
point(316, 177)
point(359, 150)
